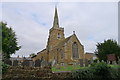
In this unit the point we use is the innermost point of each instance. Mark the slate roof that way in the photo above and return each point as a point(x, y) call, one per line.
point(41, 51)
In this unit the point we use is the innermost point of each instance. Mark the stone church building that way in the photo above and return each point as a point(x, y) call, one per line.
point(61, 50)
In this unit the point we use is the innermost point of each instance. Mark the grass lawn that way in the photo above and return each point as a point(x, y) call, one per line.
point(115, 66)
point(66, 68)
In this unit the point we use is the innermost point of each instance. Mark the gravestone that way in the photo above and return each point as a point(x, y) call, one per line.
point(102, 61)
point(98, 61)
point(15, 63)
point(31, 63)
point(81, 62)
point(91, 61)
point(86, 62)
point(114, 63)
point(43, 63)
point(37, 63)
point(9, 62)
point(53, 62)
point(25, 63)
point(119, 62)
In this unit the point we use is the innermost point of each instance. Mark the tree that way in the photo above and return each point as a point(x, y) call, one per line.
point(9, 41)
point(107, 47)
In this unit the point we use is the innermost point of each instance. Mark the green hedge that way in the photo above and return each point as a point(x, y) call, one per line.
point(4, 67)
point(97, 71)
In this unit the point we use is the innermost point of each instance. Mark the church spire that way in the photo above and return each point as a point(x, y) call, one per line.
point(56, 21)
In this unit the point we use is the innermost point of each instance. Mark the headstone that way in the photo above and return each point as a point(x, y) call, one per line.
point(25, 63)
point(9, 62)
point(86, 62)
point(91, 61)
point(114, 63)
point(53, 62)
point(31, 63)
point(81, 62)
point(118, 61)
point(43, 63)
point(98, 61)
point(38, 63)
point(102, 61)
point(15, 63)
point(62, 64)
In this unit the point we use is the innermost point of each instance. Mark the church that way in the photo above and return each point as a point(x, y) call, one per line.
point(61, 50)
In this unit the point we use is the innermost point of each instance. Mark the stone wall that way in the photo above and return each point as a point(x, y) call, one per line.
point(31, 73)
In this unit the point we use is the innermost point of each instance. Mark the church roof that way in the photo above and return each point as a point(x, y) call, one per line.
point(41, 51)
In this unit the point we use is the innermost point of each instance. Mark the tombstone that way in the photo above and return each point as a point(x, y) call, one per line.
point(98, 61)
point(53, 62)
point(43, 63)
point(31, 63)
point(102, 61)
point(37, 63)
point(91, 61)
point(15, 63)
point(118, 61)
point(62, 63)
point(114, 62)
point(86, 62)
point(50, 63)
point(25, 63)
point(7, 61)
point(81, 62)
point(107, 62)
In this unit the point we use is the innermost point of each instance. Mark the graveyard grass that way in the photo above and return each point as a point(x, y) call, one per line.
point(114, 66)
point(66, 68)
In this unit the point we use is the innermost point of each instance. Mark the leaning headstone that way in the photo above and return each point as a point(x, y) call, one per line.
point(81, 62)
point(37, 63)
point(25, 63)
point(9, 62)
point(86, 62)
point(15, 63)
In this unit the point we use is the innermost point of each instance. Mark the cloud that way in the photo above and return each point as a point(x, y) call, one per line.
point(92, 23)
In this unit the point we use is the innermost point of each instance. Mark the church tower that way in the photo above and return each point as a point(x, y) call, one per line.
point(56, 33)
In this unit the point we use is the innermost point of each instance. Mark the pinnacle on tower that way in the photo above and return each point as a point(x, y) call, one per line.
point(56, 21)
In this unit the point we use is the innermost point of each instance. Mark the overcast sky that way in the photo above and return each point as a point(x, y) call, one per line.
point(92, 22)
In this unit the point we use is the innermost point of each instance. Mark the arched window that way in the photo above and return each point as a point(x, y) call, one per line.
point(75, 50)
point(58, 36)
point(61, 53)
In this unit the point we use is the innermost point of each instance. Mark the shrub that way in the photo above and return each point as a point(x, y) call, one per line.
point(115, 73)
point(96, 71)
point(100, 70)
point(4, 67)
point(83, 74)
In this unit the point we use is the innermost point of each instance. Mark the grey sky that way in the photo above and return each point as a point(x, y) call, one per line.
point(93, 22)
